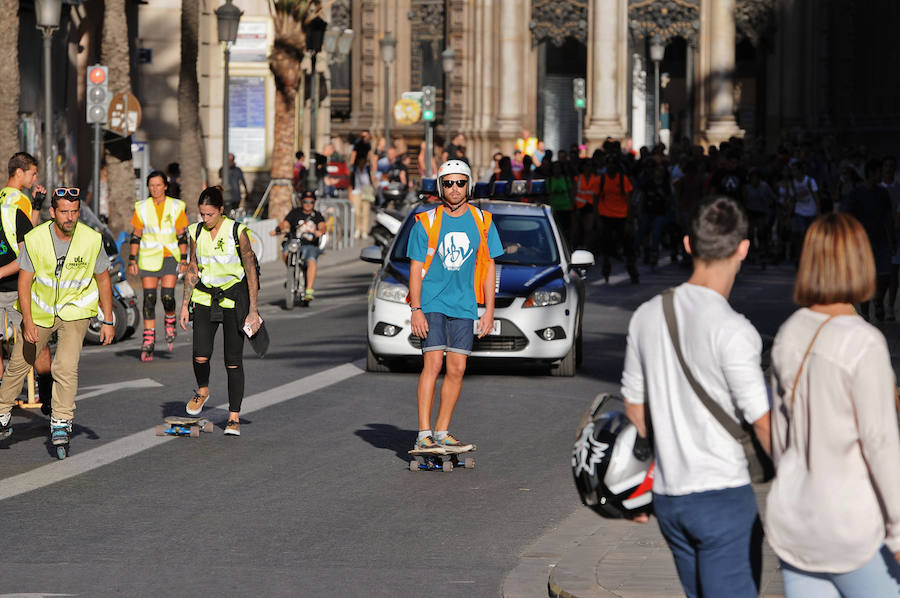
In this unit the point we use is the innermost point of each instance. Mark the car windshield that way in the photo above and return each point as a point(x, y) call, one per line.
point(527, 240)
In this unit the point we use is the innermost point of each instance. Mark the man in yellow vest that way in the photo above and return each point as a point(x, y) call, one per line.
point(451, 250)
point(64, 272)
point(158, 252)
point(18, 220)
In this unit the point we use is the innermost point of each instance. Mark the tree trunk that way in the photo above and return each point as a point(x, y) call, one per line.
point(282, 154)
point(115, 55)
point(9, 74)
point(190, 146)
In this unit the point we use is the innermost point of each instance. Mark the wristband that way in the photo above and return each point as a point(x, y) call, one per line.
point(132, 258)
point(107, 323)
point(415, 309)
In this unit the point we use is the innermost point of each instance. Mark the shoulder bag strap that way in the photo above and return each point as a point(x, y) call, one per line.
point(731, 426)
point(805, 356)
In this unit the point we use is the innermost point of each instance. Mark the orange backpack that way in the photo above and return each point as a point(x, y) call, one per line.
point(431, 222)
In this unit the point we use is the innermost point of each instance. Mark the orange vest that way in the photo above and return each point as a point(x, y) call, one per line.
point(431, 222)
point(586, 189)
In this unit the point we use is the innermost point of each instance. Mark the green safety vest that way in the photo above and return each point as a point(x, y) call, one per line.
point(8, 220)
point(73, 295)
point(156, 235)
point(218, 260)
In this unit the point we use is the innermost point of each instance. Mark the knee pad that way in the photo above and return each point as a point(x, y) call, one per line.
point(168, 299)
point(149, 304)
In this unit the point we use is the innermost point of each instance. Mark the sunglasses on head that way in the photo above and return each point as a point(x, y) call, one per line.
point(70, 191)
point(449, 184)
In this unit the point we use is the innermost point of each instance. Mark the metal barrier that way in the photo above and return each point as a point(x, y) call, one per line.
point(339, 216)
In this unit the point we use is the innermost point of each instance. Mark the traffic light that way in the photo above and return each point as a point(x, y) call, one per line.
point(97, 94)
point(578, 92)
point(428, 103)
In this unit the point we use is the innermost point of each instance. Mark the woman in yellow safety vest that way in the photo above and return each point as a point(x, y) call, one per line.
point(158, 252)
point(221, 283)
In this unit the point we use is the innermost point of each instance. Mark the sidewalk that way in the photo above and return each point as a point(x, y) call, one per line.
point(591, 557)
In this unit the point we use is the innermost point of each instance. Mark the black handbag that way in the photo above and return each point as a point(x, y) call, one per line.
point(758, 462)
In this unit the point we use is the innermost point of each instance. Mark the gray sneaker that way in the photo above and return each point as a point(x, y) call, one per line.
point(453, 445)
point(6, 428)
point(428, 446)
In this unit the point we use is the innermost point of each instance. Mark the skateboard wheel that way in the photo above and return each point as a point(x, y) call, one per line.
point(208, 427)
point(161, 430)
point(469, 463)
point(61, 452)
point(195, 431)
point(414, 465)
point(447, 466)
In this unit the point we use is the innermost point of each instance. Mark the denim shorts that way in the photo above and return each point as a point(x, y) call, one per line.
point(448, 334)
point(310, 252)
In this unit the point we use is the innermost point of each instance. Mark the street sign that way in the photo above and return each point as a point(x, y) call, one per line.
point(124, 116)
point(416, 96)
point(407, 111)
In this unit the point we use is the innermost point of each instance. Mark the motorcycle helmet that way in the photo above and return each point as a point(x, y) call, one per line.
point(608, 476)
point(454, 167)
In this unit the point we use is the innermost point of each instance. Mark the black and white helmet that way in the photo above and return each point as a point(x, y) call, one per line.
point(610, 479)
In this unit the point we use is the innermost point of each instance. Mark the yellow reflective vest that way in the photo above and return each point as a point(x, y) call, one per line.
point(73, 295)
point(8, 220)
point(157, 235)
point(218, 260)
point(14, 197)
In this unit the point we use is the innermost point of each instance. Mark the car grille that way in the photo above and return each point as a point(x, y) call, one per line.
point(509, 339)
point(501, 302)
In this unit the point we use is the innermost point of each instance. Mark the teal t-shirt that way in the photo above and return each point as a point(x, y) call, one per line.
point(449, 285)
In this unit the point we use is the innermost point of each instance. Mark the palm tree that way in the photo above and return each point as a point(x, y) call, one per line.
point(290, 18)
point(190, 147)
point(9, 74)
point(114, 54)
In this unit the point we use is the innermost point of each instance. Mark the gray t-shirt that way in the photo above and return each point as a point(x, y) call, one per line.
point(61, 248)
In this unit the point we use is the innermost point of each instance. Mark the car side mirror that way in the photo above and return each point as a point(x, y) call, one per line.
point(581, 258)
point(371, 254)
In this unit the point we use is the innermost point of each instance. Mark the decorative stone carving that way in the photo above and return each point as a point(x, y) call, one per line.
point(754, 20)
point(427, 26)
point(555, 20)
point(664, 18)
point(340, 14)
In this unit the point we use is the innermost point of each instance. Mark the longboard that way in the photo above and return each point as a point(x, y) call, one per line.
point(429, 461)
point(184, 426)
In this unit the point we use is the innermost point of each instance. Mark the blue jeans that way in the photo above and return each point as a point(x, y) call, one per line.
point(716, 539)
point(879, 577)
point(455, 335)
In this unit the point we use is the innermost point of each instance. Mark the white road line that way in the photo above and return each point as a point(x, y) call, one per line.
point(111, 452)
point(101, 389)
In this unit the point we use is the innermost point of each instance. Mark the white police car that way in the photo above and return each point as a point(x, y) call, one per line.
point(539, 298)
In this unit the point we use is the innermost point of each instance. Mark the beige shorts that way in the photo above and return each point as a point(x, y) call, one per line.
point(9, 313)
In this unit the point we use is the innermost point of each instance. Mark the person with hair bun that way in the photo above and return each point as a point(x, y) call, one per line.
point(220, 287)
point(833, 515)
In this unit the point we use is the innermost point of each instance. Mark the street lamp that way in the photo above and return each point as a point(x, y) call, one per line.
point(388, 54)
point(657, 52)
point(448, 61)
point(47, 15)
point(228, 17)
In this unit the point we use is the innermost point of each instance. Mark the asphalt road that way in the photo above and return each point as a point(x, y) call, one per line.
point(315, 497)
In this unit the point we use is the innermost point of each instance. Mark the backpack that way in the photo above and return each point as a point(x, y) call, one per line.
point(237, 246)
point(431, 222)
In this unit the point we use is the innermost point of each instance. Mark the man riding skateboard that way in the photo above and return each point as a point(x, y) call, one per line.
point(444, 294)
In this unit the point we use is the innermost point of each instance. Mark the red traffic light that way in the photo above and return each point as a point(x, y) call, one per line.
point(97, 75)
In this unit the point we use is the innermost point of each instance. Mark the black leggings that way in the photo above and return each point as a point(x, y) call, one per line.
point(204, 335)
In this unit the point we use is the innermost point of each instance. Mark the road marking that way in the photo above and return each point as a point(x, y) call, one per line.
point(102, 389)
point(111, 452)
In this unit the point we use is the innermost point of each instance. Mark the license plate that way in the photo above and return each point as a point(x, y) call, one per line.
point(495, 329)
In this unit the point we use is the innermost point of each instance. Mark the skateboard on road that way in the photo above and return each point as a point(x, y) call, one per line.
point(184, 426)
point(427, 461)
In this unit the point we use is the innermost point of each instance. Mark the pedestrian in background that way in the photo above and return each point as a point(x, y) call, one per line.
point(833, 515)
point(701, 488)
point(362, 195)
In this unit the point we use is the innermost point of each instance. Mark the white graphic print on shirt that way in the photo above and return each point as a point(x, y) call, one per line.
point(454, 250)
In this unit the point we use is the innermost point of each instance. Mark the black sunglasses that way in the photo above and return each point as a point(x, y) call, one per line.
point(449, 184)
point(70, 191)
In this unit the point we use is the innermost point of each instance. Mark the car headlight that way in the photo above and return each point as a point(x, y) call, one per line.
point(391, 291)
point(545, 296)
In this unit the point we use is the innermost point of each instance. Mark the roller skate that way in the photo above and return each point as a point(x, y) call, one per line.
point(170, 331)
point(147, 346)
point(6, 429)
point(60, 429)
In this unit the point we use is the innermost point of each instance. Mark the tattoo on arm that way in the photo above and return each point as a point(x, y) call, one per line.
point(192, 275)
point(248, 258)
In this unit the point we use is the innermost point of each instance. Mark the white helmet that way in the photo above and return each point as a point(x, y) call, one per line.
point(454, 167)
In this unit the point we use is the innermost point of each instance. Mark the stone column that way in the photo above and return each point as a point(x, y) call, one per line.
point(720, 45)
point(607, 66)
point(512, 89)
